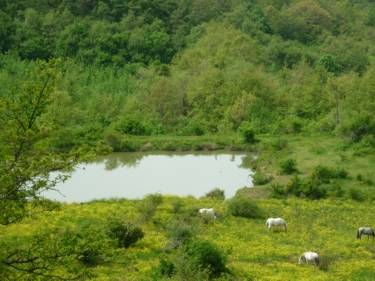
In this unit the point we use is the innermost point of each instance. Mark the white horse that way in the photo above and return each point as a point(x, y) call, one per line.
point(276, 222)
point(366, 231)
point(309, 256)
point(210, 211)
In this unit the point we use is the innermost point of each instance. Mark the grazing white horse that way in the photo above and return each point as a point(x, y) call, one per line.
point(366, 231)
point(210, 211)
point(276, 222)
point(309, 256)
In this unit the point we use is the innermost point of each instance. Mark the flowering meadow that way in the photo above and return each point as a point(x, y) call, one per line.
point(327, 227)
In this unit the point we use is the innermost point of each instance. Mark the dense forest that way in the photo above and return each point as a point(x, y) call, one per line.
point(197, 67)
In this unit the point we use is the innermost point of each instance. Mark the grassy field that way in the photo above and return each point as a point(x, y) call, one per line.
point(310, 151)
point(325, 226)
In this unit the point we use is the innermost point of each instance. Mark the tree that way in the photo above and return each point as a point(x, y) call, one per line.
point(26, 160)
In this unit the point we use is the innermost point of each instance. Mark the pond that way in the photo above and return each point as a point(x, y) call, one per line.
point(133, 175)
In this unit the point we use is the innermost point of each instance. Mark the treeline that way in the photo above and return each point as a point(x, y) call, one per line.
point(197, 67)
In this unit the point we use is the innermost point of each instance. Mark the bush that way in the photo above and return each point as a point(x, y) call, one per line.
point(261, 178)
point(179, 233)
point(184, 267)
point(154, 199)
point(207, 255)
point(356, 194)
point(324, 173)
point(148, 205)
point(177, 205)
point(278, 191)
point(131, 126)
point(125, 232)
point(89, 243)
point(357, 127)
point(216, 193)
point(247, 133)
point(146, 210)
point(288, 167)
point(243, 206)
point(166, 267)
point(280, 144)
point(309, 188)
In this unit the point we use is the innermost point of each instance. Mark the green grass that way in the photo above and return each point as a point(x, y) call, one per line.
point(309, 152)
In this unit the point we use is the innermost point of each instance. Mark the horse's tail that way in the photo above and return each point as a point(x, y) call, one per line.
point(358, 236)
point(267, 225)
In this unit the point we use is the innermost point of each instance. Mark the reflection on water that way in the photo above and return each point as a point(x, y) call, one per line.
point(135, 174)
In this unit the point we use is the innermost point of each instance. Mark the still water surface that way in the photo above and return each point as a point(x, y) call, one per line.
point(135, 174)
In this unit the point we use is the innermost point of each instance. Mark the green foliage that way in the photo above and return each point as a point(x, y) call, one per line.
point(129, 125)
point(243, 206)
point(26, 141)
point(191, 128)
point(248, 135)
point(278, 191)
point(356, 194)
point(288, 167)
point(179, 233)
point(207, 255)
point(147, 207)
point(216, 193)
point(330, 64)
point(53, 253)
point(325, 174)
point(261, 178)
point(125, 232)
point(166, 267)
point(177, 205)
point(309, 188)
point(279, 144)
point(154, 199)
point(358, 127)
point(186, 267)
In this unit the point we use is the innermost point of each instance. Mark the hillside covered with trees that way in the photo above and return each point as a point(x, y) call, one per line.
point(197, 67)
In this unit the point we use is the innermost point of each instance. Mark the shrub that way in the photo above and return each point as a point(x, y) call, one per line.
point(324, 173)
point(280, 144)
point(207, 255)
point(166, 267)
point(147, 207)
point(248, 135)
point(261, 178)
point(89, 244)
point(278, 191)
point(89, 257)
point(125, 232)
point(179, 233)
point(357, 127)
point(216, 193)
point(131, 126)
point(185, 268)
point(309, 188)
point(154, 199)
point(356, 194)
point(243, 206)
point(313, 190)
point(288, 167)
point(177, 205)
